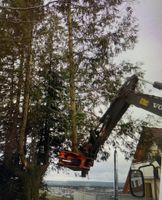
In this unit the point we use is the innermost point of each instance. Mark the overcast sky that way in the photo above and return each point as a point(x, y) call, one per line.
point(149, 51)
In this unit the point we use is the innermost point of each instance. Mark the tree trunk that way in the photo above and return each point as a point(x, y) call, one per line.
point(10, 143)
point(11, 149)
point(31, 183)
point(25, 101)
point(72, 72)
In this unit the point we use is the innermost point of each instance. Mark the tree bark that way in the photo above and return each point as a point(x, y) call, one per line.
point(12, 134)
point(72, 72)
point(31, 183)
point(27, 85)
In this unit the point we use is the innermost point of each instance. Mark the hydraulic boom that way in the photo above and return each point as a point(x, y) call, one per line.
point(126, 96)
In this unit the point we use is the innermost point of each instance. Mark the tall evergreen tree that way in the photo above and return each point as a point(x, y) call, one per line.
point(95, 32)
point(30, 94)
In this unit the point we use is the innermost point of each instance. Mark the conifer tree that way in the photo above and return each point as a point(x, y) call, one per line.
point(29, 101)
point(95, 32)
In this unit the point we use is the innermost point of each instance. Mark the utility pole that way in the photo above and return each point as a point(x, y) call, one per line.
point(115, 176)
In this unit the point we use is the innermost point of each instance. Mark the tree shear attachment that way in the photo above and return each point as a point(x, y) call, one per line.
point(75, 161)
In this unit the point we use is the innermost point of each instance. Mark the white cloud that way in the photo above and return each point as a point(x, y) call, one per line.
point(148, 50)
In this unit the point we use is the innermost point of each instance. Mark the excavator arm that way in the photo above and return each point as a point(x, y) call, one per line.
point(126, 96)
point(149, 103)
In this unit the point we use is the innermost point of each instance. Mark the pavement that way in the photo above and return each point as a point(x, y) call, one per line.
point(126, 197)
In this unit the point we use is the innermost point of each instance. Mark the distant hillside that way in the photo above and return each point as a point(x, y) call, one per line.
point(81, 184)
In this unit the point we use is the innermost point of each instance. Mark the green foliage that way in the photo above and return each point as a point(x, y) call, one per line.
point(101, 30)
point(13, 64)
